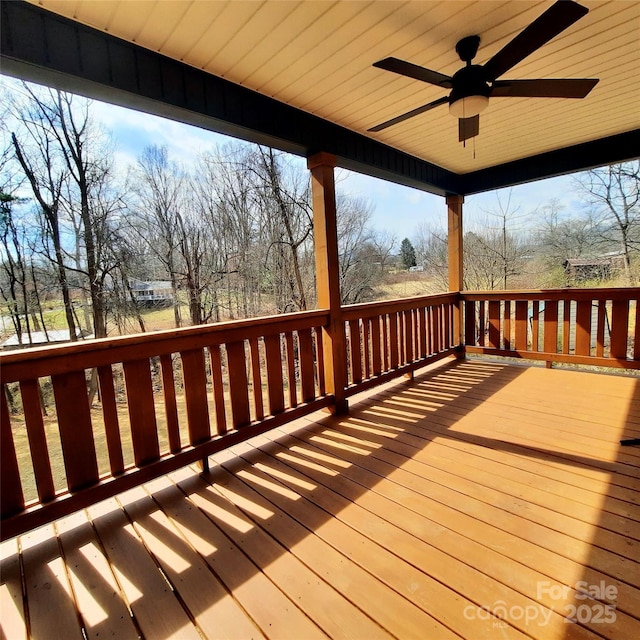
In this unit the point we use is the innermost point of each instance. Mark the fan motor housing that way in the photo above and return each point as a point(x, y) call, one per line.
point(469, 81)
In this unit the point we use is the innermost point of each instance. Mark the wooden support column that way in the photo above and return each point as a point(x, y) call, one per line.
point(455, 231)
point(325, 237)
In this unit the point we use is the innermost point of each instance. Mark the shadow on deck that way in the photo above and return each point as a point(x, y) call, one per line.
point(479, 500)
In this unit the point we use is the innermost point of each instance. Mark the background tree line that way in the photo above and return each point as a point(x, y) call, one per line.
point(507, 248)
point(232, 232)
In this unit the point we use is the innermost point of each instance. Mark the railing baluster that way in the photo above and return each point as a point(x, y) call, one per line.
point(481, 323)
point(494, 324)
point(366, 348)
point(583, 327)
point(322, 388)
point(305, 345)
point(256, 377)
point(238, 384)
point(600, 328)
point(10, 484)
point(550, 327)
point(422, 332)
point(402, 351)
point(170, 404)
point(274, 373)
point(431, 330)
point(444, 326)
point(291, 369)
point(408, 336)
point(437, 328)
point(76, 434)
point(521, 325)
point(218, 389)
point(535, 325)
point(375, 345)
point(506, 330)
point(142, 415)
point(111, 420)
point(195, 395)
point(355, 351)
point(393, 340)
point(619, 328)
point(30, 393)
point(566, 326)
point(385, 341)
point(469, 323)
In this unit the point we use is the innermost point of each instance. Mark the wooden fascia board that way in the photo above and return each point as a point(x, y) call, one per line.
point(597, 153)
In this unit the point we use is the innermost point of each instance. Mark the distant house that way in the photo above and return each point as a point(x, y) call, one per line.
point(598, 268)
point(152, 293)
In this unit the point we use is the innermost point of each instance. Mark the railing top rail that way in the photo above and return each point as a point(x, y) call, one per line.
point(366, 309)
point(596, 293)
point(40, 361)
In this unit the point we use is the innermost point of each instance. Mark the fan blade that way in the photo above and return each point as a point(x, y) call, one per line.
point(553, 21)
point(468, 128)
point(552, 88)
point(414, 71)
point(410, 114)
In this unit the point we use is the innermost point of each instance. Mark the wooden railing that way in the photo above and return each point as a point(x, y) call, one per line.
point(388, 339)
point(85, 421)
point(165, 400)
point(598, 327)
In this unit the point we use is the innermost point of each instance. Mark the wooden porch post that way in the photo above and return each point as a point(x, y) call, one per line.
point(455, 230)
point(325, 237)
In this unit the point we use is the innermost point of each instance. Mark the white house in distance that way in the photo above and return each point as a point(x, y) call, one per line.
point(152, 293)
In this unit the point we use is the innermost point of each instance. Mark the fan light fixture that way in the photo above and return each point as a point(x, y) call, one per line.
point(469, 106)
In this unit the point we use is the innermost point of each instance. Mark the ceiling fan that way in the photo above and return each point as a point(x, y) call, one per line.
point(473, 85)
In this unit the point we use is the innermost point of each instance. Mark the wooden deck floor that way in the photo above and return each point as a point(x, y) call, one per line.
point(479, 500)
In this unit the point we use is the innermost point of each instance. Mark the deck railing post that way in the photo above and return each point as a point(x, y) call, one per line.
point(454, 236)
point(325, 236)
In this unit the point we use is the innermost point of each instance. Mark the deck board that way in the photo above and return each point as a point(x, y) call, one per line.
point(441, 507)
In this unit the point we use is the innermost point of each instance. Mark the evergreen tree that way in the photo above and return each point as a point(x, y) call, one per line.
point(407, 254)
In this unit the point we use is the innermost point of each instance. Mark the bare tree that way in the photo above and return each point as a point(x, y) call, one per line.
point(284, 198)
point(160, 189)
point(34, 149)
point(363, 254)
point(497, 246)
point(15, 263)
point(225, 203)
point(67, 162)
point(432, 252)
point(561, 237)
point(613, 193)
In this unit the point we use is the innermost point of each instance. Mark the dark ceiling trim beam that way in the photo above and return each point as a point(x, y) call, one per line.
point(580, 157)
point(40, 46)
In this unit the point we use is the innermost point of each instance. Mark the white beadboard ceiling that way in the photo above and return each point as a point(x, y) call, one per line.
point(317, 55)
